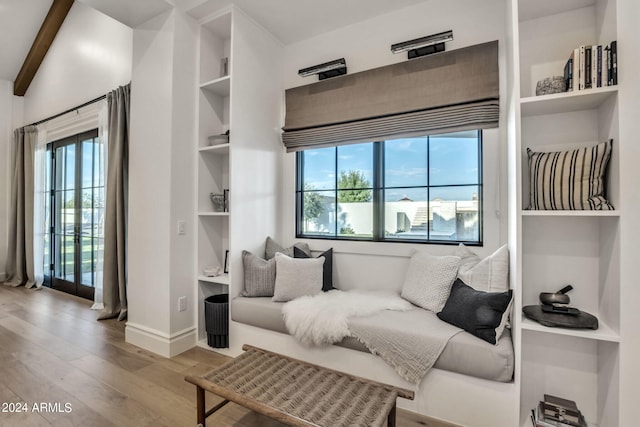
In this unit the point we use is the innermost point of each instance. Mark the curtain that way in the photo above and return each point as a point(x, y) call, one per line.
point(20, 267)
point(115, 228)
point(103, 138)
point(41, 213)
point(441, 93)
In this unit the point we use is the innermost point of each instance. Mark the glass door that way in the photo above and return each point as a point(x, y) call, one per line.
point(76, 206)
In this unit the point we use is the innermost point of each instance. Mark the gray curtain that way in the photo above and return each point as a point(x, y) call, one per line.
point(20, 257)
point(115, 227)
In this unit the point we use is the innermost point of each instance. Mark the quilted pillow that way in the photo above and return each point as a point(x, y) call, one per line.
point(569, 180)
point(428, 280)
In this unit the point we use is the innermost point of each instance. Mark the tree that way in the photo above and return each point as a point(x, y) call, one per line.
point(312, 205)
point(349, 183)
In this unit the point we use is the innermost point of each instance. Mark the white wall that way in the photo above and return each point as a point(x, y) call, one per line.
point(90, 56)
point(6, 136)
point(366, 45)
point(161, 189)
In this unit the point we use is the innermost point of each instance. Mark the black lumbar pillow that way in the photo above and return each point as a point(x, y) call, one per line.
point(327, 268)
point(477, 312)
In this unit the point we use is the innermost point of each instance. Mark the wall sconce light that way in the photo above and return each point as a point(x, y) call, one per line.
point(424, 45)
point(327, 70)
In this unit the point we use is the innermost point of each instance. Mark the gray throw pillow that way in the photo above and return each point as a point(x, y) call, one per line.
point(259, 276)
point(428, 280)
point(297, 277)
point(271, 247)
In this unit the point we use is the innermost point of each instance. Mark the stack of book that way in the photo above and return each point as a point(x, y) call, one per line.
point(593, 66)
point(555, 411)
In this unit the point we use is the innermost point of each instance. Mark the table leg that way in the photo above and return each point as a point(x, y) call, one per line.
point(391, 419)
point(200, 406)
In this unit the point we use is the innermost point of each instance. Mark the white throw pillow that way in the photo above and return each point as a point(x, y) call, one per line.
point(297, 277)
point(490, 275)
point(428, 281)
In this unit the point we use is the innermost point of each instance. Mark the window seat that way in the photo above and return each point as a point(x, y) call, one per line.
point(464, 354)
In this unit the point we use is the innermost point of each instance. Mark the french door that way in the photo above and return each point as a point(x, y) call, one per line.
point(75, 242)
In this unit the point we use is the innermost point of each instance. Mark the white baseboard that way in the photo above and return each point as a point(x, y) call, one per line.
point(159, 342)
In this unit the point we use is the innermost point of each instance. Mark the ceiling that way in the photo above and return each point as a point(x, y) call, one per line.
point(288, 20)
point(294, 20)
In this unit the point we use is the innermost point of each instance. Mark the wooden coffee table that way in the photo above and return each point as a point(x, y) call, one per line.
point(298, 393)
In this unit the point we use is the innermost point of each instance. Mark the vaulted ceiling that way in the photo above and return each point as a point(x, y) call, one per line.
point(288, 20)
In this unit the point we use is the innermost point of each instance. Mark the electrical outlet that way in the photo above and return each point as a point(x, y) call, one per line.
point(182, 227)
point(182, 304)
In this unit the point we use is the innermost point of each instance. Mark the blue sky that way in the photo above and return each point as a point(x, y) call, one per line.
point(452, 160)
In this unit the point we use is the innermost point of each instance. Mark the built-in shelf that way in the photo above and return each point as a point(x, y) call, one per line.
point(220, 86)
point(219, 150)
point(603, 333)
point(577, 213)
point(579, 100)
point(223, 279)
point(213, 213)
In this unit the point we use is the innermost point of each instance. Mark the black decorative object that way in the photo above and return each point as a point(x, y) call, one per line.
point(216, 314)
point(581, 320)
point(226, 261)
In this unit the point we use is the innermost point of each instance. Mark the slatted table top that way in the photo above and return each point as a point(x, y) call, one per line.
point(301, 393)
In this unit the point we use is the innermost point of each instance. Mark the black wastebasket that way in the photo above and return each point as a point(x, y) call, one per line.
point(216, 315)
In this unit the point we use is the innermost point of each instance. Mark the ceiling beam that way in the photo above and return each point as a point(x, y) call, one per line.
point(52, 23)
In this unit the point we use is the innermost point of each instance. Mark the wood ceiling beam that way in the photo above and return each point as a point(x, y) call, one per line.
point(52, 23)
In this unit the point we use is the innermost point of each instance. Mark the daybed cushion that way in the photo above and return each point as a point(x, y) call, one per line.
point(464, 353)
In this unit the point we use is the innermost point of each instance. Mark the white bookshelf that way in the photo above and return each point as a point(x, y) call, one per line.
point(248, 165)
point(555, 248)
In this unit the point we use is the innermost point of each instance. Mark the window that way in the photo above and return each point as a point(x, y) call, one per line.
point(425, 189)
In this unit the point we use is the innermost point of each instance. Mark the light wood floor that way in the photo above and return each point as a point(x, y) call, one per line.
point(54, 352)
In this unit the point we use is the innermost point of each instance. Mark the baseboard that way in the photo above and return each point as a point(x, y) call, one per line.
point(159, 342)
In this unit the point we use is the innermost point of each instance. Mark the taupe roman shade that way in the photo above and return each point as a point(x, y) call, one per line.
point(446, 92)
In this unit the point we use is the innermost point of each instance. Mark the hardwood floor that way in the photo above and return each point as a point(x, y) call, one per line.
point(61, 367)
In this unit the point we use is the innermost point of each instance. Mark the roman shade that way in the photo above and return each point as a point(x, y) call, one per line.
point(446, 92)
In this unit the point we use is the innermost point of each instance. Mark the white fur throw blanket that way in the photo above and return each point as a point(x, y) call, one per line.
point(410, 342)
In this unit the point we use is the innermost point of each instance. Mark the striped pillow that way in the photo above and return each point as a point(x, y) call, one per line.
point(569, 180)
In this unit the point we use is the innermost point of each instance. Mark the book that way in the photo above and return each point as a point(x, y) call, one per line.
point(568, 74)
point(560, 402)
point(614, 63)
point(581, 71)
point(587, 67)
point(599, 66)
point(576, 69)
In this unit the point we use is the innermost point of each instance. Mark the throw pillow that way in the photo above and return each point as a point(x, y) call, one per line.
point(259, 275)
point(271, 247)
point(490, 274)
point(571, 180)
point(297, 277)
point(327, 268)
point(477, 312)
point(428, 280)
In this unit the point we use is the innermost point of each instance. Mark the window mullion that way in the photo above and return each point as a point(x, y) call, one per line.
point(378, 184)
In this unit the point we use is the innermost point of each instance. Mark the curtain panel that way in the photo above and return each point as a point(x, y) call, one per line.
point(20, 266)
point(447, 92)
point(114, 285)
